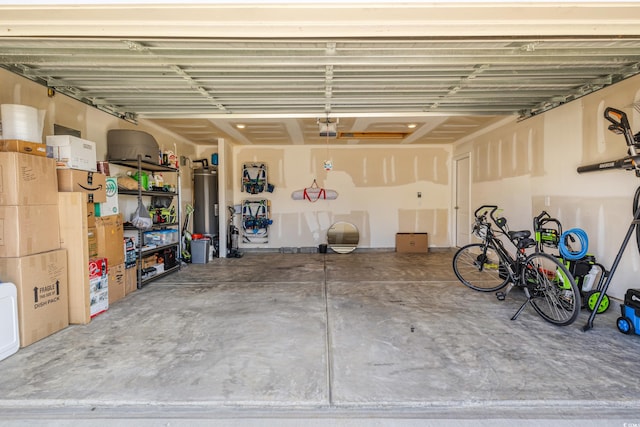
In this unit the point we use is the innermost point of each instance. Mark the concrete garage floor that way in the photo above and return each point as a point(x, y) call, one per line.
point(363, 339)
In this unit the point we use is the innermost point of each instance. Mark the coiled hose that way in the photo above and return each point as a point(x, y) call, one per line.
point(567, 253)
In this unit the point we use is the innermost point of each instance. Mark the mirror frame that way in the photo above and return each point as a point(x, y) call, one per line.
point(343, 237)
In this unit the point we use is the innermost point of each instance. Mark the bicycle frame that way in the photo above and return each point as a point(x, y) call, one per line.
point(513, 265)
point(547, 284)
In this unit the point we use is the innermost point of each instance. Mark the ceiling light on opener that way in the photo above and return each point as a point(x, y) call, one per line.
point(328, 128)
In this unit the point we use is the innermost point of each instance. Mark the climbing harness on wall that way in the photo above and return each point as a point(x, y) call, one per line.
point(255, 221)
point(254, 178)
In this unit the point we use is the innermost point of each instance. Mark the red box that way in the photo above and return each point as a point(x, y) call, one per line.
point(98, 286)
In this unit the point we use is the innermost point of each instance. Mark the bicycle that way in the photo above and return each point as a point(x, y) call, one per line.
point(489, 267)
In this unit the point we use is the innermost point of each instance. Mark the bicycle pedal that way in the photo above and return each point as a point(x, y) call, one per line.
point(501, 296)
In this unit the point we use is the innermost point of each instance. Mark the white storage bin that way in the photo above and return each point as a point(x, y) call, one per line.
point(9, 336)
point(160, 237)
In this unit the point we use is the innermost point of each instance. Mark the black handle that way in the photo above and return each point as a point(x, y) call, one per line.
point(624, 163)
point(617, 118)
point(620, 124)
point(542, 215)
point(537, 221)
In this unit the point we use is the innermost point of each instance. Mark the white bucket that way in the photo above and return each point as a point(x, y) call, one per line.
point(9, 338)
point(22, 122)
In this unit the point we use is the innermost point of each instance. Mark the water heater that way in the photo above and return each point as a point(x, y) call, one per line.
point(205, 201)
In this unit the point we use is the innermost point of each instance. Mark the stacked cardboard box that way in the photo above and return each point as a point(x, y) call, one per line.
point(94, 239)
point(110, 239)
point(91, 183)
point(78, 234)
point(130, 263)
point(110, 207)
point(102, 235)
point(110, 236)
point(30, 253)
point(72, 152)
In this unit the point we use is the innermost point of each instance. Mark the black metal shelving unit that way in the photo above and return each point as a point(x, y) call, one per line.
point(140, 165)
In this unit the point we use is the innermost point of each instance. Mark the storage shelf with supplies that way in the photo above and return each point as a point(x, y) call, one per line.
point(153, 276)
point(149, 250)
point(154, 226)
point(147, 193)
point(166, 256)
point(144, 165)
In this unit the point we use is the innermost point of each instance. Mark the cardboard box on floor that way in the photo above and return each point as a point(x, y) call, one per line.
point(412, 242)
point(27, 180)
point(92, 183)
point(130, 280)
point(41, 282)
point(28, 229)
point(117, 284)
point(74, 237)
point(110, 235)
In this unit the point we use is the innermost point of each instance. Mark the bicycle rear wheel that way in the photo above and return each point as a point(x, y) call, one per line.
point(479, 267)
point(554, 293)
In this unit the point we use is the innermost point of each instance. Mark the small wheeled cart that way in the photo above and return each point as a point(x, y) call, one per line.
point(629, 321)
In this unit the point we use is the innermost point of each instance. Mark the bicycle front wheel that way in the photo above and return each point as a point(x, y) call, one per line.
point(479, 267)
point(554, 293)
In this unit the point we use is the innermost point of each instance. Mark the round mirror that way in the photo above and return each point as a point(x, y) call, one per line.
point(343, 237)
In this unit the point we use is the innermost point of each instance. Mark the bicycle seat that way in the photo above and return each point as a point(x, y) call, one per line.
point(514, 235)
point(521, 239)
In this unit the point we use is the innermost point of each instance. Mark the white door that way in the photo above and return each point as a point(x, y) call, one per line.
point(462, 191)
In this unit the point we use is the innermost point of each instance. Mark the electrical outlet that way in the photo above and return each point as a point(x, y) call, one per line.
point(419, 194)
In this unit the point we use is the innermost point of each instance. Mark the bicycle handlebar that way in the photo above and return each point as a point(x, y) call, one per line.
point(493, 208)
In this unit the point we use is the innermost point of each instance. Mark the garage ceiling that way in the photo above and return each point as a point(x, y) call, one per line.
point(206, 87)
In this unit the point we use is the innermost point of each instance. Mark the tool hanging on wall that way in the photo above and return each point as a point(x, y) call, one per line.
point(313, 193)
point(619, 125)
